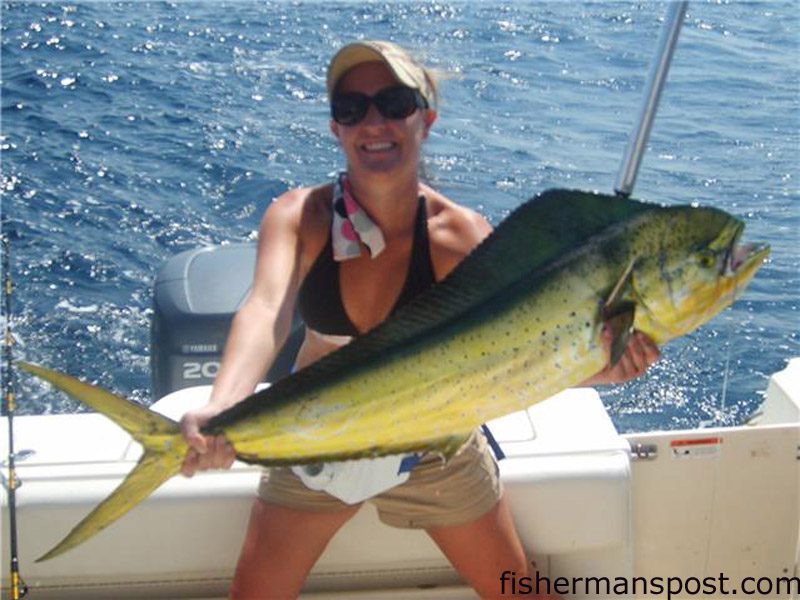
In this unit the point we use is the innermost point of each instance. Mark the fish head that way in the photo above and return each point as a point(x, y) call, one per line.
point(695, 268)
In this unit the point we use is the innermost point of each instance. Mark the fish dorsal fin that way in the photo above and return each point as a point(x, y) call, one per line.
point(532, 237)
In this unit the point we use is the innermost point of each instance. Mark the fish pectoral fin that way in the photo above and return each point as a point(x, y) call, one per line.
point(619, 314)
point(153, 469)
point(622, 284)
point(619, 319)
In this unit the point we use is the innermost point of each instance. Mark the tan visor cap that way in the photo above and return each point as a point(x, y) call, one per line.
point(407, 70)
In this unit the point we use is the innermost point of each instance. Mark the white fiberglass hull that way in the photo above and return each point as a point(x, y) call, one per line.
point(700, 503)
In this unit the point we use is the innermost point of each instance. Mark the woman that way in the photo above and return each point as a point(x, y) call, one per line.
point(334, 251)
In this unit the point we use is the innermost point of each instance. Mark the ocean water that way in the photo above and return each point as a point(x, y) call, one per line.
point(133, 131)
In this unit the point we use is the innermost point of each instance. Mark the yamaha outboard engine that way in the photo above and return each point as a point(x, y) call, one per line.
point(196, 296)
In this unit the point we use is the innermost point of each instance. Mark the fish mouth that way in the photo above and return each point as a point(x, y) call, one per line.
point(741, 259)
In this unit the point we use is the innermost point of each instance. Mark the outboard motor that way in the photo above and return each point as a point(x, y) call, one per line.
point(195, 298)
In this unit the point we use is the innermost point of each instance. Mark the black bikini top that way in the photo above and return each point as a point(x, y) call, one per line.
point(320, 300)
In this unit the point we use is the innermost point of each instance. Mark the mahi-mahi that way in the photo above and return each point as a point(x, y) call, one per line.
point(517, 321)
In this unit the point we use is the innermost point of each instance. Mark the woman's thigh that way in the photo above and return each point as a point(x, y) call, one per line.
point(280, 548)
point(483, 549)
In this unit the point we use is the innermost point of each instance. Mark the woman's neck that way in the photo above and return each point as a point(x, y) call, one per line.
point(391, 202)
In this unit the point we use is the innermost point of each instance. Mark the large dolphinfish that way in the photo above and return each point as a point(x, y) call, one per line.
point(517, 321)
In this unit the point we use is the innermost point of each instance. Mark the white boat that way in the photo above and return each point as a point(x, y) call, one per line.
point(588, 501)
point(702, 503)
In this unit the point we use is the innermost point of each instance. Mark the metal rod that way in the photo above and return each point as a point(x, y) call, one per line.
point(655, 84)
point(18, 587)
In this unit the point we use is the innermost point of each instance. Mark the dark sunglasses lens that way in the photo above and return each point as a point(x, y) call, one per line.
point(396, 103)
point(349, 109)
point(393, 103)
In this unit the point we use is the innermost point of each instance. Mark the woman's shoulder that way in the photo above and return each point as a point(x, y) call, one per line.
point(454, 230)
point(304, 209)
point(450, 222)
point(297, 220)
point(306, 204)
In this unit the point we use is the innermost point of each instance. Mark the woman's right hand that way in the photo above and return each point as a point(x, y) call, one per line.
point(205, 451)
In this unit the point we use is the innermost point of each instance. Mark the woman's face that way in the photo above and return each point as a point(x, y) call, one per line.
point(377, 145)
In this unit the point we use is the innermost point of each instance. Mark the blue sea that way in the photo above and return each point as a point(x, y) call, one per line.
point(132, 131)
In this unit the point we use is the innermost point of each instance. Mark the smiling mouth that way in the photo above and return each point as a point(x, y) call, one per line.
point(378, 146)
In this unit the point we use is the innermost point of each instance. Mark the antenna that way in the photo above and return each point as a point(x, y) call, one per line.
point(655, 84)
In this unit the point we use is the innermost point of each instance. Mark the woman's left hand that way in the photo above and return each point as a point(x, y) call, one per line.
point(640, 353)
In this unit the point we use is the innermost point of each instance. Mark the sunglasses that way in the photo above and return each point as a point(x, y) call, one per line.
point(394, 103)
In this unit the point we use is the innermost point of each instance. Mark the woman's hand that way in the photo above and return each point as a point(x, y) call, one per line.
point(639, 355)
point(205, 451)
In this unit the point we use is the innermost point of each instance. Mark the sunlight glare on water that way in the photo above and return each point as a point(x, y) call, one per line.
point(133, 131)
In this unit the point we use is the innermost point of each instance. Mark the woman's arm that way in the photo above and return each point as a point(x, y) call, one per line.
point(259, 330)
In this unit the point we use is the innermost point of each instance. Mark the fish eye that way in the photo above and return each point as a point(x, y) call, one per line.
point(708, 260)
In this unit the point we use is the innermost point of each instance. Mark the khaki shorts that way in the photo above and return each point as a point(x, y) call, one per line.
point(435, 494)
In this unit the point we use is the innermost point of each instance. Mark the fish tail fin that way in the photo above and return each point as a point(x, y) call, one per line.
point(164, 451)
point(145, 426)
point(153, 469)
